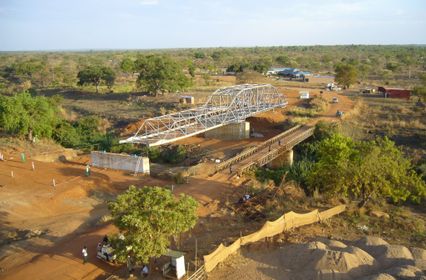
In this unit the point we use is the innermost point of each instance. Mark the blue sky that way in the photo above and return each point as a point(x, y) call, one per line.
point(144, 24)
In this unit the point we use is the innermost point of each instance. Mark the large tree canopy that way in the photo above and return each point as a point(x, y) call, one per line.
point(159, 74)
point(365, 170)
point(25, 115)
point(95, 75)
point(346, 74)
point(147, 218)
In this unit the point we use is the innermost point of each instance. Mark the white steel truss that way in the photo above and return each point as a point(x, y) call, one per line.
point(226, 105)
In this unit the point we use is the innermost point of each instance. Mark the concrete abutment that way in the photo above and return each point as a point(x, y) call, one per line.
point(286, 159)
point(233, 131)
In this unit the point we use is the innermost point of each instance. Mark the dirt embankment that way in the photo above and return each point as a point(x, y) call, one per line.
point(369, 258)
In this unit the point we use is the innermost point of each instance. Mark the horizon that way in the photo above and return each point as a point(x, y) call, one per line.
point(46, 25)
point(206, 48)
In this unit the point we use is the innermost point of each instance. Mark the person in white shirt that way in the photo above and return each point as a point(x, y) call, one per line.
point(85, 254)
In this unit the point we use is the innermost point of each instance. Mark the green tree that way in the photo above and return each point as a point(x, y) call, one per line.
point(67, 135)
point(199, 55)
point(96, 75)
point(159, 74)
point(364, 170)
point(262, 65)
point(28, 116)
point(24, 71)
point(191, 70)
point(346, 74)
point(127, 65)
point(381, 170)
point(283, 60)
point(147, 218)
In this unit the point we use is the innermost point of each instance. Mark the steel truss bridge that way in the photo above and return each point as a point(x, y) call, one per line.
point(225, 106)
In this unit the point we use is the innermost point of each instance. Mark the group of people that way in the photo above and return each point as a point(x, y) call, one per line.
point(130, 268)
point(102, 249)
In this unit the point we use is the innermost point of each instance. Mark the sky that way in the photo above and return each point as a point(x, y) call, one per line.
point(152, 24)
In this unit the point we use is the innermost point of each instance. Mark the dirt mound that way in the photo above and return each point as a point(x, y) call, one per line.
point(395, 255)
point(406, 272)
point(387, 255)
point(419, 256)
point(381, 276)
point(323, 262)
point(132, 128)
point(370, 241)
point(330, 259)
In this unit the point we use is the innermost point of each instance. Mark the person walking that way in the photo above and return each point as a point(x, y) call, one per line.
point(87, 170)
point(85, 254)
point(130, 265)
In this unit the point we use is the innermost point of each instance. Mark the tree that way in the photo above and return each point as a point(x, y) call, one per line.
point(25, 115)
point(191, 69)
point(159, 74)
point(127, 65)
point(67, 135)
point(283, 60)
point(262, 65)
point(346, 74)
point(364, 170)
point(95, 75)
point(25, 72)
point(199, 55)
point(147, 218)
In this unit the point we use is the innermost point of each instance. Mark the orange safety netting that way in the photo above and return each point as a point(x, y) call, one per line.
point(286, 222)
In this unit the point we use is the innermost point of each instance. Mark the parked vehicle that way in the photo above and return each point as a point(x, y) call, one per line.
point(105, 252)
point(335, 100)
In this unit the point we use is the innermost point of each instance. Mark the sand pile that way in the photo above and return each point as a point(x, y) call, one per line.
point(369, 258)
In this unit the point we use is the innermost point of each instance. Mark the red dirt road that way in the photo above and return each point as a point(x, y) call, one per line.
point(71, 211)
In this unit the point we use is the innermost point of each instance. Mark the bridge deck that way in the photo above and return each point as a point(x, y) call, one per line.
point(266, 151)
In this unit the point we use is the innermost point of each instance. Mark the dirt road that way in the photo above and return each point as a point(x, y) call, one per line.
point(69, 213)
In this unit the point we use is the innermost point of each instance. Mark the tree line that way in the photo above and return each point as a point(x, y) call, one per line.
point(23, 71)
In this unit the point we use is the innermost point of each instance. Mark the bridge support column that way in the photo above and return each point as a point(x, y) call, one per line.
point(284, 159)
point(233, 131)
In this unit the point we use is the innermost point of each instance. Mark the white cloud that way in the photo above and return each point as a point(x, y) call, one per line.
point(149, 2)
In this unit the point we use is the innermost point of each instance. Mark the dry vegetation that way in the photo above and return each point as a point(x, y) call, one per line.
point(400, 120)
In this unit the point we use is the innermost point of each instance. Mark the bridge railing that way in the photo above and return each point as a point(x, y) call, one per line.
point(277, 152)
point(245, 154)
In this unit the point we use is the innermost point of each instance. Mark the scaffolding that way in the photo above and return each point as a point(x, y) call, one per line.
point(225, 106)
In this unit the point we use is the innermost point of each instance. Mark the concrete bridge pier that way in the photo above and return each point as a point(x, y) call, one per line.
point(233, 131)
point(284, 159)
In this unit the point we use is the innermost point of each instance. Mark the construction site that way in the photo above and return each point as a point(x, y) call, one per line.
point(52, 206)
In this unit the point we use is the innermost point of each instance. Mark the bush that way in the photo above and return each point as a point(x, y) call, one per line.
point(66, 135)
point(266, 174)
point(173, 154)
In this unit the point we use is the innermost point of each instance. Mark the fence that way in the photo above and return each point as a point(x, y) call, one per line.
point(286, 222)
point(120, 162)
point(199, 274)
